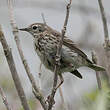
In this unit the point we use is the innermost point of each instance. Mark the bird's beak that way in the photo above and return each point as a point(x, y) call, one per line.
point(23, 29)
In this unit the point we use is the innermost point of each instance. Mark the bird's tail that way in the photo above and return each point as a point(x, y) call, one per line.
point(96, 67)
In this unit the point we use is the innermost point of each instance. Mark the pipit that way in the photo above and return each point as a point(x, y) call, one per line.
point(46, 41)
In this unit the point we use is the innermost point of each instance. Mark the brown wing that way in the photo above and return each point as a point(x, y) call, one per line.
point(70, 44)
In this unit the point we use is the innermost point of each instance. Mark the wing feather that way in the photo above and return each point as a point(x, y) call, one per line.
point(70, 44)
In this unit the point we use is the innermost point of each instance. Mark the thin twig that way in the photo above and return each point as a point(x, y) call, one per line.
point(36, 90)
point(94, 59)
point(5, 101)
point(43, 18)
point(13, 70)
point(106, 36)
point(57, 66)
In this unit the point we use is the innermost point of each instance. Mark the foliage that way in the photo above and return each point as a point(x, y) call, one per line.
point(97, 100)
point(32, 104)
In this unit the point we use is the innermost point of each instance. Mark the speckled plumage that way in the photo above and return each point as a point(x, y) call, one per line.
point(45, 42)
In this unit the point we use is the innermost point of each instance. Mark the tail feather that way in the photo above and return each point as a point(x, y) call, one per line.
point(96, 67)
point(76, 73)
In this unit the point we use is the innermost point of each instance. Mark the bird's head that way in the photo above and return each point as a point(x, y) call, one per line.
point(35, 28)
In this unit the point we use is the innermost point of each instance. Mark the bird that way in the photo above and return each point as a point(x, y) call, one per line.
point(46, 41)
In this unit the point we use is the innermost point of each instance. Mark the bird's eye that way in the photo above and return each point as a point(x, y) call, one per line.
point(34, 27)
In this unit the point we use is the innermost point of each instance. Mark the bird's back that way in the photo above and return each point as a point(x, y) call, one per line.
point(69, 43)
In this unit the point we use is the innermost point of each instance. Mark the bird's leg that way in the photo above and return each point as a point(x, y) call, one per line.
point(61, 81)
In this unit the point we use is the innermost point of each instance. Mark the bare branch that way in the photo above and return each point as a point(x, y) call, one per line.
point(94, 59)
point(43, 18)
point(38, 94)
point(13, 70)
point(5, 101)
point(106, 36)
point(57, 66)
